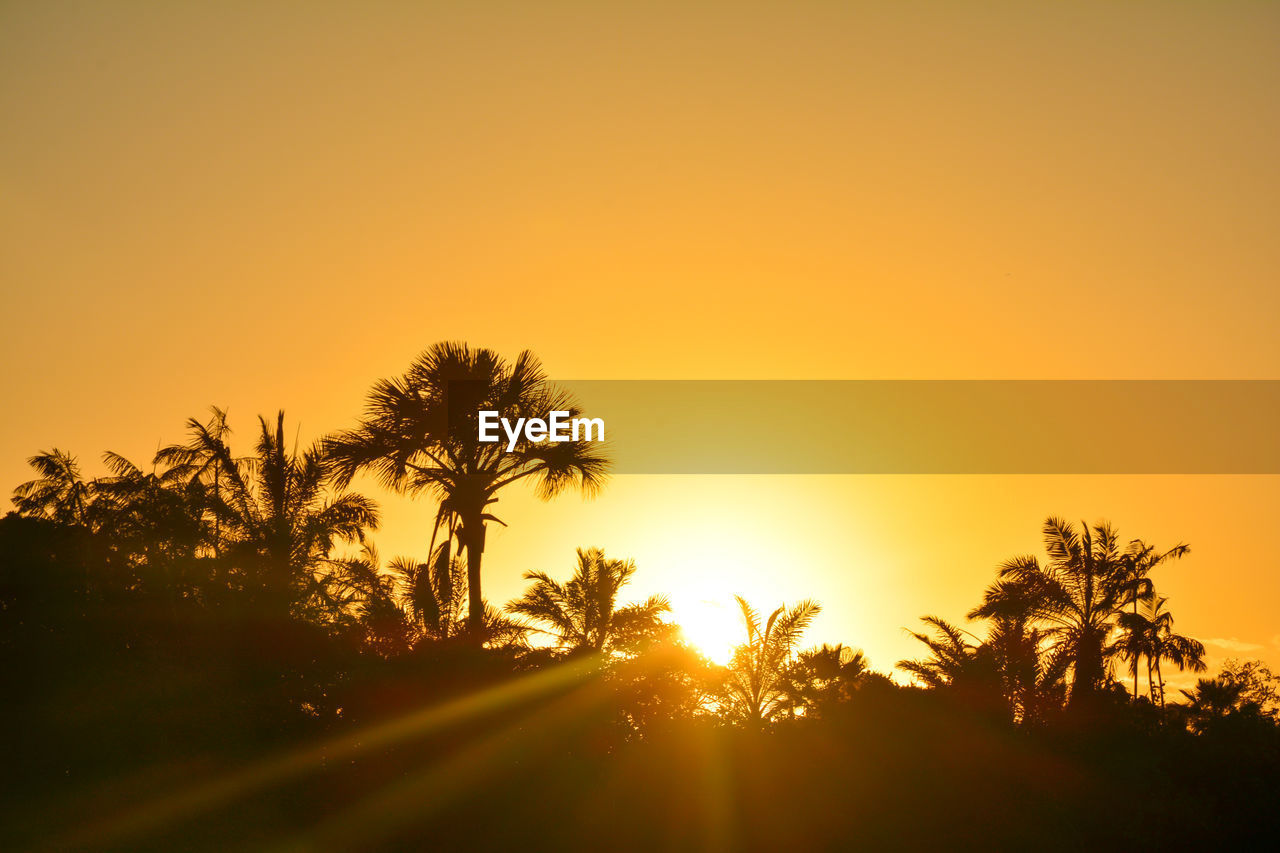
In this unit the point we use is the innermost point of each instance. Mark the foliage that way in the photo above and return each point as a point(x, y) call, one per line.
point(1243, 693)
point(582, 613)
point(420, 434)
point(758, 687)
point(214, 641)
point(1075, 597)
point(1149, 634)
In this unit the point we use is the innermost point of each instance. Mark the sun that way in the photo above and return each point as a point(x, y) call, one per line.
point(712, 627)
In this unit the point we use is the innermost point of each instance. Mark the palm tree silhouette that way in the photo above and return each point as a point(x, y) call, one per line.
point(1248, 692)
point(409, 602)
point(1140, 559)
point(583, 612)
point(1077, 595)
point(433, 592)
point(59, 492)
point(156, 525)
point(1034, 677)
point(420, 433)
point(1150, 634)
point(205, 460)
point(951, 655)
point(826, 675)
point(1012, 662)
point(758, 686)
point(285, 522)
point(1211, 701)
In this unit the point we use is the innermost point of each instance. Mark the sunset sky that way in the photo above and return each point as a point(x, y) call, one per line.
point(272, 205)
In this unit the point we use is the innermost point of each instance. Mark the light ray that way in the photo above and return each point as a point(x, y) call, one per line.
point(202, 797)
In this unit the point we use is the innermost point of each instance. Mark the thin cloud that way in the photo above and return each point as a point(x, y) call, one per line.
point(1233, 644)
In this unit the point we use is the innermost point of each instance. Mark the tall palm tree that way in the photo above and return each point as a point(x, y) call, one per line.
point(583, 612)
point(1150, 634)
point(1076, 595)
point(59, 492)
point(286, 519)
point(758, 687)
point(1140, 559)
point(420, 433)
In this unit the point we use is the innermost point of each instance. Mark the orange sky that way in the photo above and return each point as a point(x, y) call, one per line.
point(273, 207)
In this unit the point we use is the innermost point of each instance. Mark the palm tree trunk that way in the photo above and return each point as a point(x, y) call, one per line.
point(1160, 677)
point(472, 531)
point(1088, 666)
point(1135, 663)
point(217, 520)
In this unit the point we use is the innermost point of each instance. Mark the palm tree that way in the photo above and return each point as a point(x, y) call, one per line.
point(826, 675)
point(420, 433)
point(412, 601)
point(1140, 559)
point(1077, 595)
point(433, 592)
point(1211, 701)
point(1246, 691)
point(285, 522)
point(583, 612)
point(951, 655)
point(156, 527)
point(367, 599)
point(1150, 634)
point(59, 492)
point(1012, 664)
point(205, 460)
point(758, 686)
point(409, 602)
point(1034, 677)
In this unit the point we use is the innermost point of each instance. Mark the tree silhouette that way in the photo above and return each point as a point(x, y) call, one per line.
point(1032, 671)
point(1140, 559)
point(1245, 693)
point(583, 612)
point(1012, 664)
point(155, 527)
point(285, 520)
point(364, 598)
point(434, 592)
point(420, 433)
point(410, 602)
point(59, 492)
point(205, 460)
point(758, 686)
point(951, 655)
point(1077, 596)
point(1149, 634)
point(825, 676)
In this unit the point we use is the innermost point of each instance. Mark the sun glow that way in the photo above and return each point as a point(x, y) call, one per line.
point(712, 627)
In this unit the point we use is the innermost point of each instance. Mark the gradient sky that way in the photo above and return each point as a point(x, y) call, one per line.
point(271, 205)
